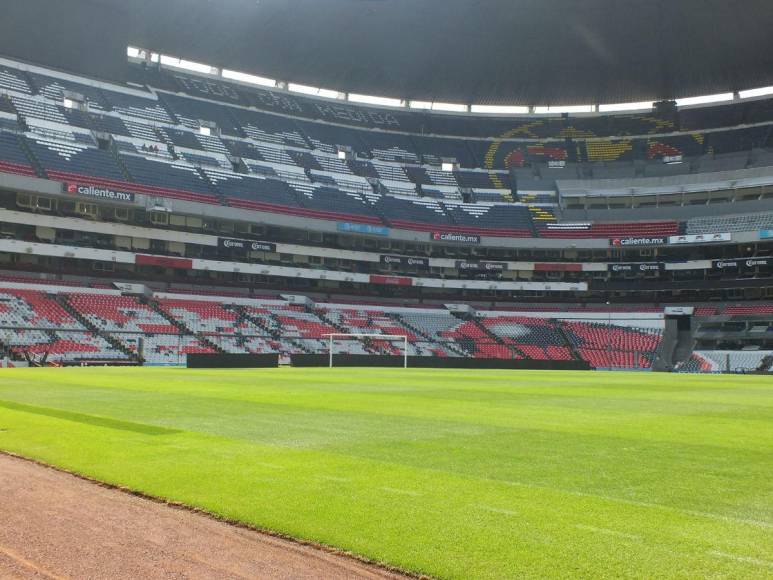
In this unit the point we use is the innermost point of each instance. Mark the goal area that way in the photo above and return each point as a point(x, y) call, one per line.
point(331, 338)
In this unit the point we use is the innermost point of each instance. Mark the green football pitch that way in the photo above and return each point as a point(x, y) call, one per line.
point(450, 473)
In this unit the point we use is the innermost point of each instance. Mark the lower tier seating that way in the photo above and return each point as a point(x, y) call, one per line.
point(165, 329)
point(735, 361)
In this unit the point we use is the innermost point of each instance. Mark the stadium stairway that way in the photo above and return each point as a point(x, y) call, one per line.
point(418, 332)
point(306, 138)
point(569, 344)
point(366, 342)
point(65, 303)
point(6, 103)
point(183, 327)
point(517, 352)
point(36, 165)
point(235, 121)
point(286, 339)
point(119, 162)
point(685, 341)
point(243, 315)
point(667, 348)
point(211, 186)
point(374, 186)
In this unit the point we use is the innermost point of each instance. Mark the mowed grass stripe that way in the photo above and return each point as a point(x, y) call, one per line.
point(418, 472)
point(658, 421)
point(88, 419)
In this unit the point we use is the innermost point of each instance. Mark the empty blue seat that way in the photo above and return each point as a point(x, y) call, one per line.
point(164, 174)
point(407, 211)
point(66, 160)
point(12, 156)
point(190, 112)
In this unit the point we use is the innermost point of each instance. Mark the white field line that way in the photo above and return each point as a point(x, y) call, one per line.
point(494, 510)
point(737, 558)
point(268, 465)
point(607, 532)
point(645, 504)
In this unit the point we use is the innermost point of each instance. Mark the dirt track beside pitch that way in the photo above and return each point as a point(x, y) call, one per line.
point(56, 525)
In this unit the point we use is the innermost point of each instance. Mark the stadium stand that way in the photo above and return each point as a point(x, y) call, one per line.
point(207, 141)
point(165, 329)
point(61, 143)
point(730, 223)
point(716, 361)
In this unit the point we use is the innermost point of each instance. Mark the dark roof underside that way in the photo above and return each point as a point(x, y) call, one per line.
point(474, 51)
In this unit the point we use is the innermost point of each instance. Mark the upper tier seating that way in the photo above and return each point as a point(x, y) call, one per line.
point(293, 134)
point(433, 151)
point(56, 132)
point(38, 108)
point(409, 213)
point(54, 88)
point(12, 156)
point(191, 112)
point(14, 80)
point(390, 146)
point(254, 191)
point(109, 123)
point(66, 161)
point(324, 200)
point(481, 180)
point(269, 128)
point(176, 179)
point(422, 122)
point(148, 110)
point(630, 229)
point(738, 223)
point(328, 138)
point(513, 221)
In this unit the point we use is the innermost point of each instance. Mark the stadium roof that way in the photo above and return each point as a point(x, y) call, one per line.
point(520, 52)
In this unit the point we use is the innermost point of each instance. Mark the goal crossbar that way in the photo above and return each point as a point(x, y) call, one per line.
point(332, 336)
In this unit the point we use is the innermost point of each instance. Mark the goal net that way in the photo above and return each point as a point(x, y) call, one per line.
point(334, 338)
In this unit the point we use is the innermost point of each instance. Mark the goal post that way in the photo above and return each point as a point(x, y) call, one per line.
point(401, 337)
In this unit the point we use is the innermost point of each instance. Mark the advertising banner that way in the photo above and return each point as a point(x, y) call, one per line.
point(700, 238)
point(468, 239)
point(245, 245)
point(103, 193)
point(637, 242)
